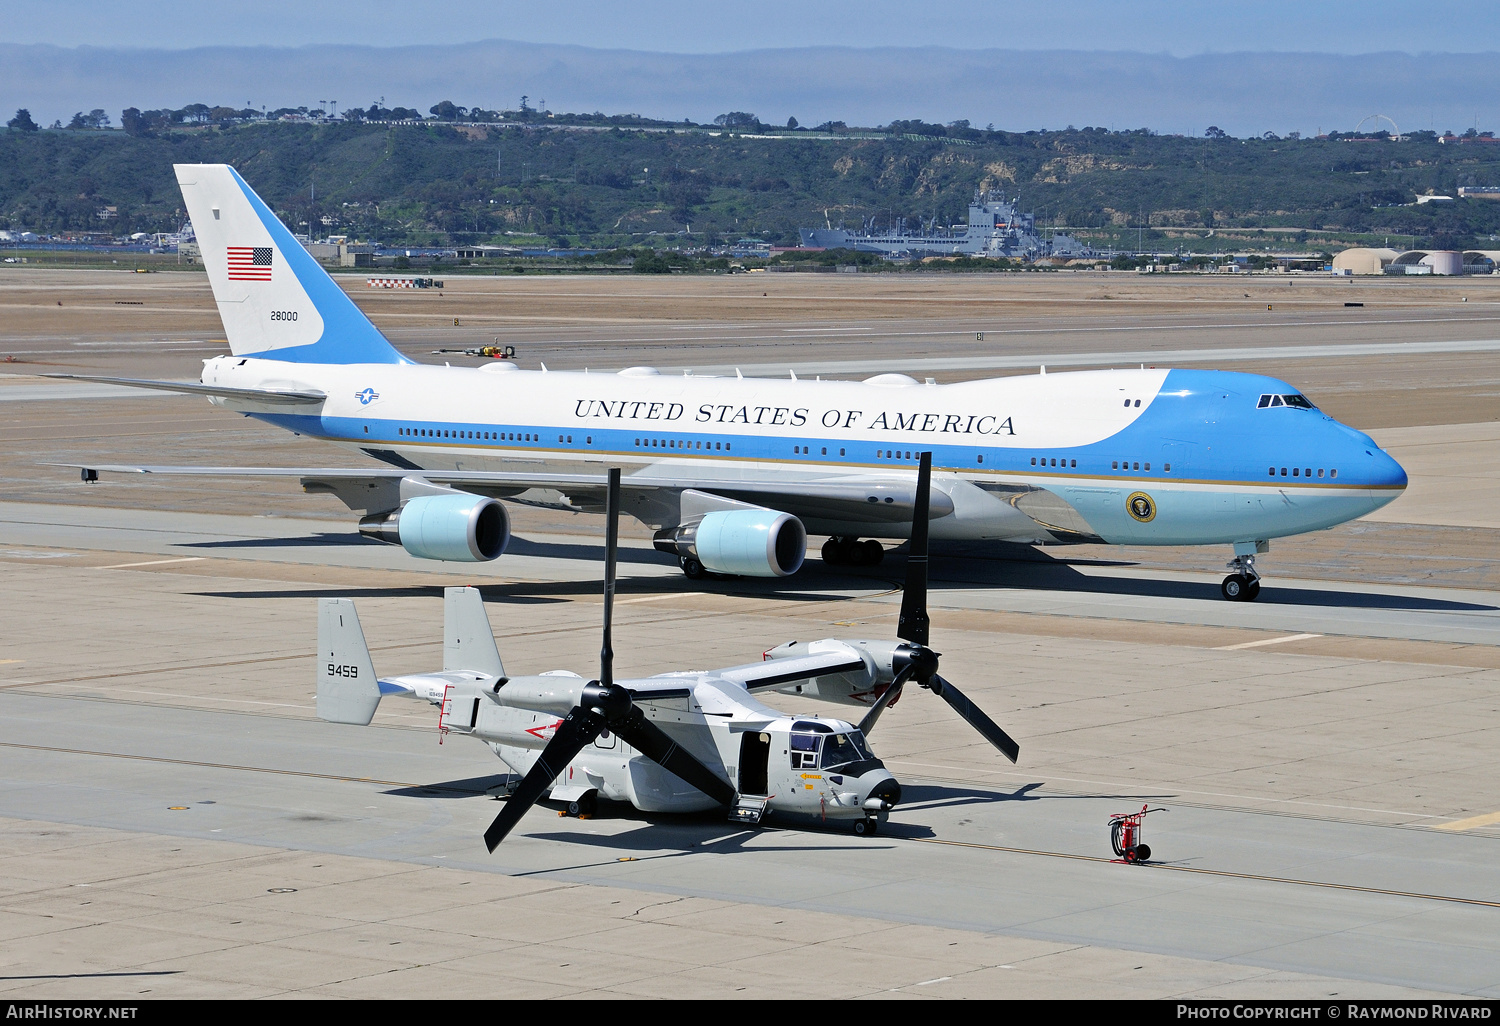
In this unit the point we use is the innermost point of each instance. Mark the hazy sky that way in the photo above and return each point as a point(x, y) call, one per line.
point(1178, 27)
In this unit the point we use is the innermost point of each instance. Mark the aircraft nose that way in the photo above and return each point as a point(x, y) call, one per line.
point(1382, 475)
point(1382, 471)
point(888, 791)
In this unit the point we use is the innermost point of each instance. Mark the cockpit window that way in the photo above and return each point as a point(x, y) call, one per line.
point(805, 750)
point(842, 749)
point(1300, 402)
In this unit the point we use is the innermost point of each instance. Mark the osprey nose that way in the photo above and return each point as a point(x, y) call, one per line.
point(887, 791)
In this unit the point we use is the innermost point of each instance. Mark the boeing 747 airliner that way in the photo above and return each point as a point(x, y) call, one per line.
point(734, 474)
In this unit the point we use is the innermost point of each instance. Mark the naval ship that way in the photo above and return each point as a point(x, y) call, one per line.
point(996, 228)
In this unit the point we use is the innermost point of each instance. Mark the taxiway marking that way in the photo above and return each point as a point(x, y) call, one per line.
point(1266, 641)
point(1472, 823)
point(151, 562)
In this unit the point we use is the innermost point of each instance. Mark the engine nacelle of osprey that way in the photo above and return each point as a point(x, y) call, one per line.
point(842, 688)
point(457, 527)
point(745, 542)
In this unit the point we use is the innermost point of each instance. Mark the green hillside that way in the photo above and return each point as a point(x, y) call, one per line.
point(444, 184)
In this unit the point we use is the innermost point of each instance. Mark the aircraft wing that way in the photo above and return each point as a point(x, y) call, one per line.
point(778, 673)
point(875, 500)
point(275, 397)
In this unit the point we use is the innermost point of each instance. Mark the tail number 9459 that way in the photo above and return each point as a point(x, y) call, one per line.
point(283, 315)
point(334, 670)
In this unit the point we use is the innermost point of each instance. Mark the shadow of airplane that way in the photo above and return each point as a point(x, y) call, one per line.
point(1016, 567)
point(319, 540)
point(469, 787)
point(954, 566)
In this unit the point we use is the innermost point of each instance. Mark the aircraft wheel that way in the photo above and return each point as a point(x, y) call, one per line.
point(832, 553)
point(873, 552)
point(691, 567)
point(1234, 587)
point(1252, 592)
point(864, 827)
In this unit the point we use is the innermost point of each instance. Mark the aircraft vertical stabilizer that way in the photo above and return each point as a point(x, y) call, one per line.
point(347, 689)
point(468, 642)
point(275, 301)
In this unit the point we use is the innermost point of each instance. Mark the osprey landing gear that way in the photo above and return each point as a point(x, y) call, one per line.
point(1243, 583)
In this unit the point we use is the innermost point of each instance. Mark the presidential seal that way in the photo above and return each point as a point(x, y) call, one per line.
point(1141, 506)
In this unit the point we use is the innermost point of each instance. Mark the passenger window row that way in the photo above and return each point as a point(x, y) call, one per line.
point(1301, 472)
point(678, 443)
point(1065, 463)
point(1128, 403)
point(486, 436)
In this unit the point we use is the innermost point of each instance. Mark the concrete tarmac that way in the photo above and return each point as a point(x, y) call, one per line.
point(178, 823)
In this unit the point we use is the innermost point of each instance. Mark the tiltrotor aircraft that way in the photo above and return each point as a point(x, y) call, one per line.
point(682, 741)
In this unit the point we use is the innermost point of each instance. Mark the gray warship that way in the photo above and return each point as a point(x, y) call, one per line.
point(996, 228)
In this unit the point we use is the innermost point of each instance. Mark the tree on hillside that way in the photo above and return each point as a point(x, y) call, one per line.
point(447, 110)
point(737, 119)
point(22, 121)
point(1215, 132)
point(94, 119)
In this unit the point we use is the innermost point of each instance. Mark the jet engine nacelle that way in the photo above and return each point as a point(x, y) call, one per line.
point(750, 542)
point(459, 527)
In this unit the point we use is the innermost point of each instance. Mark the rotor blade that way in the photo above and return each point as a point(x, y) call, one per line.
point(889, 695)
point(977, 719)
point(913, 624)
point(572, 734)
point(611, 549)
point(651, 741)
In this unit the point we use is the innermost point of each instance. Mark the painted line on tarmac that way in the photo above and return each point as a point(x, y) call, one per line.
point(232, 766)
point(1225, 873)
point(151, 562)
point(1265, 641)
point(1472, 823)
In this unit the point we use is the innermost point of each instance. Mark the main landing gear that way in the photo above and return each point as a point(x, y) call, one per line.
point(852, 552)
point(1243, 583)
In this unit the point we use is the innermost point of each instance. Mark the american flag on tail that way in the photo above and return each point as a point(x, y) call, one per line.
point(249, 263)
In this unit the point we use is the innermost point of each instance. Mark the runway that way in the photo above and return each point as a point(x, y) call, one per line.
point(178, 823)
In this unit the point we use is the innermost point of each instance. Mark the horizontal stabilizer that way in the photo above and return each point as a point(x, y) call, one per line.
point(347, 689)
point(276, 397)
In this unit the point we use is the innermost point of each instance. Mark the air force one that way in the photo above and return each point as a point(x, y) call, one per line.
point(734, 474)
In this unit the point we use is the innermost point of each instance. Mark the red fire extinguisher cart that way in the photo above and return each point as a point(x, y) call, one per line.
point(1125, 836)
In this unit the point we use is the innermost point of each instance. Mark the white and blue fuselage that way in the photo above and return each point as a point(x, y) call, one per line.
point(1153, 457)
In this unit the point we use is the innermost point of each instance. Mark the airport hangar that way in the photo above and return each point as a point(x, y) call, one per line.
point(179, 825)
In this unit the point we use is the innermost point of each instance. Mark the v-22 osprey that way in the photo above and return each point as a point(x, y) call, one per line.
point(681, 741)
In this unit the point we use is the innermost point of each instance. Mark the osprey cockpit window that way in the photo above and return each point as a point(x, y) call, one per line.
point(843, 749)
point(804, 750)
